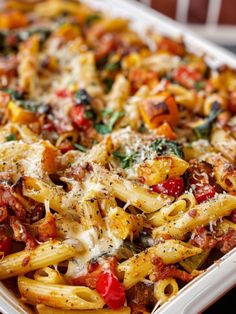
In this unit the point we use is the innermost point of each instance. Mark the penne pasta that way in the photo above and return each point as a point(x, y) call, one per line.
point(221, 206)
point(40, 191)
point(46, 254)
point(138, 196)
point(59, 296)
point(171, 251)
point(117, 160)
point(165, 289)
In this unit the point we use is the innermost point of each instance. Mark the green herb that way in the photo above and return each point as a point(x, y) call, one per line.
point(127, 160)
point(43, 34)
point(106, 112)
point(112, 66)
point(82, 97)
point(15, 95)
point(203, 128)
point(199, 86)
point(102, 129)
point(80, 147)
point(89, 114)
point(113, 117)
point(163, 146)
point(11, 137)
point(108, 82)
point(142, 128)
point(34, 106)
point(90, 19)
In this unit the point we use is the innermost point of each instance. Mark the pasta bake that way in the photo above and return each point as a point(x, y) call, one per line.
point(117, 161)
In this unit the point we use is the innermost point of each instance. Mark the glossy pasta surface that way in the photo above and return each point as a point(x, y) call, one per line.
point(117, 161)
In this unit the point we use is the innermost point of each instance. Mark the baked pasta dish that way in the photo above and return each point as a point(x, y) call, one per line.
point(117, 161)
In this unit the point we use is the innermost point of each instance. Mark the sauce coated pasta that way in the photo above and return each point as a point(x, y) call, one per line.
point(117, 161)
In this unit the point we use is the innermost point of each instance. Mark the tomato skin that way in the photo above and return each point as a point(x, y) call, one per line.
point(232, 102)
point(171, 187)
point(186, 76)
point(78, 117)
point(65, 147)
point(5, 244)
point(204, 193)
point(62, 93)
point(111, 290)
point(172, 46)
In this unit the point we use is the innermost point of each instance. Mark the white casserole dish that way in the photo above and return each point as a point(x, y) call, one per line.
point(220, 277)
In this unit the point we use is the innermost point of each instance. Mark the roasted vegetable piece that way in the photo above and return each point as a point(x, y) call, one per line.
point(158, 109)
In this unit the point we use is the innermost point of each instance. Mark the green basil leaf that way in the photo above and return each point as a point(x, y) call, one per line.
point(163, 146)
point(11, 137)
point(125, 161)
point(102, 129)
point(80, 147)
point(90, 19)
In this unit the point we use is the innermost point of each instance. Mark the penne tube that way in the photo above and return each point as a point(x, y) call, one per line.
point(139, 266)
point(46, 254)
point(167, 213)
point(224, 143)
point(59, 296)
point(91, 216)
point(220, 206)
point(40, 191)
point(125, 190)
point(124, 225)
point(43, 309)
point(49, 275)
point(119, 93)
point(165, 289)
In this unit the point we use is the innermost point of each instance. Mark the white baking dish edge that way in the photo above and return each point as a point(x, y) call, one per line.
point(220, 277)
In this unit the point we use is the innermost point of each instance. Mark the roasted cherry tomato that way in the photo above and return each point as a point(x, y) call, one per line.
point(65, 147)
point(78, 117)
point(62, 93)
point(204, 192)
point(5, 243)
point(111, 290)
point(171, 187)
point(171, 45)
point(186, 76)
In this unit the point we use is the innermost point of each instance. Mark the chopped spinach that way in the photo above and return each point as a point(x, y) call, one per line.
point(106, 112)
point(34, 106)
point(89, 114)
point(113, 117)
point(80, 147)
point(43, 34)
point(108, 82)
point(15, 95)
point(163, 146)
point(142, 128)
point(102, 129)
point(126, 160)
point(90, 19)
point(199, 86)
point(82, 97)
point(11, 137)
point(203, 129)
point(112, 66)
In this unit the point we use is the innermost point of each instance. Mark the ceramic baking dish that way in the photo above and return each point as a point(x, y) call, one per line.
point(220, 277)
